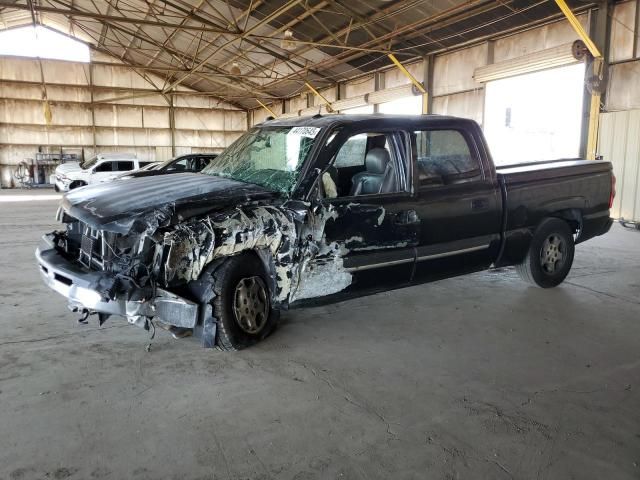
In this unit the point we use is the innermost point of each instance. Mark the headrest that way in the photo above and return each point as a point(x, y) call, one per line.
point(377, 160)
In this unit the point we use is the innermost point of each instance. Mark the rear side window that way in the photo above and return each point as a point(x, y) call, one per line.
point(352, 153)
point(200, 163)
point(179, 166)
point(124, 166)
point(105, 167)
point(444, 158)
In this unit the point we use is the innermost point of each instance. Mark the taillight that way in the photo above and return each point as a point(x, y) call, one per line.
point(613, 190)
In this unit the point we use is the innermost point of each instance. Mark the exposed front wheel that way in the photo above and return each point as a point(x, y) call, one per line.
point(242, 305)
point(550, 254)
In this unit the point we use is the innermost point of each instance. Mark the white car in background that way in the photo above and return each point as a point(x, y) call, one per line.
point(101, 168)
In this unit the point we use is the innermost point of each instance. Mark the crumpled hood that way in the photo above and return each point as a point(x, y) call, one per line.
point(68, 167)
point(142, 204)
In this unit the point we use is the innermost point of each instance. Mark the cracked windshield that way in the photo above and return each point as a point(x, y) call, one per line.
point(270, 157)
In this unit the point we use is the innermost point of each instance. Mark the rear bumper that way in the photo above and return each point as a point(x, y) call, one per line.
point(80, 287)
point(595, 225)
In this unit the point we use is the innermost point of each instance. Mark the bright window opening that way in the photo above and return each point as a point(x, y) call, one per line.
point(537, 116)
point(42, 42)
point(402, 106)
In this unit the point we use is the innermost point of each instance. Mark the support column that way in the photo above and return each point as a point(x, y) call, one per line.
point(172, 125)
point(427, 98)
point(93, 112)
point(599, 32)
point(378, 84)
point(636, 31)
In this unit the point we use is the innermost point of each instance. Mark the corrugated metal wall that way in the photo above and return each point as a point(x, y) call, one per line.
point(619, 143)
point(129, 117)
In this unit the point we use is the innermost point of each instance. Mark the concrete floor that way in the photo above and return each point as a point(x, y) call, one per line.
point(474, 377)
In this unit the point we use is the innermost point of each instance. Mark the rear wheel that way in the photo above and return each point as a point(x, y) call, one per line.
point(550, 254)
point(242, 305)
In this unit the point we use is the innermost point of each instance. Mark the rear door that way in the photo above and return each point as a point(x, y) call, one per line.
point(459, 207)
point(122, 166)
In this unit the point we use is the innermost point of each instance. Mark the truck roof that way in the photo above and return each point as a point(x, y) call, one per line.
point(342, 118)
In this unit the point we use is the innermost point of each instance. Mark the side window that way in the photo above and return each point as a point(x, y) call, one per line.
point(124, 166)
point(105, 167)
point(202, 162)
point(367, 164)
point(444, 158)
point(351, 154)
point(179, 166)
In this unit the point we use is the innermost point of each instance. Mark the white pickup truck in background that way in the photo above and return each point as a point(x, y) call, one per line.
point(101, 168)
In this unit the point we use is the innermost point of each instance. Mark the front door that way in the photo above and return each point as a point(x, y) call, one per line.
point(369, 211)
point(102, 172)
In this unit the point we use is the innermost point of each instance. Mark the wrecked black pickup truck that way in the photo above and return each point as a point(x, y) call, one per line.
point(317, 209)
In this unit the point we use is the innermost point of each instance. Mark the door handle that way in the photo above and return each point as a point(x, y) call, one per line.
point(406, 217)
point(479, 204)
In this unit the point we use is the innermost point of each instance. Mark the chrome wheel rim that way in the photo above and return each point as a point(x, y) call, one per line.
point(553, 254)
point(251, 305)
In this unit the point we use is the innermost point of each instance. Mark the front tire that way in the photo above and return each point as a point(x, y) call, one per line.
point(550, 254)
point(242, 303)
point(76, 184)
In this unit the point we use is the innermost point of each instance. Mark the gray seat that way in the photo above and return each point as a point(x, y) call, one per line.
point(379, 176)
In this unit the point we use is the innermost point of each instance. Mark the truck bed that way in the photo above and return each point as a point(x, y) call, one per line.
point(551, 169)
point(576, 190)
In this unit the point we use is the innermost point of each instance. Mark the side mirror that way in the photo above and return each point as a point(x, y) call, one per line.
point(93, 171)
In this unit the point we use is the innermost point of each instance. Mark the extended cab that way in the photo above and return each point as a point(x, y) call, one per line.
point(317, 209)
point(103, 167)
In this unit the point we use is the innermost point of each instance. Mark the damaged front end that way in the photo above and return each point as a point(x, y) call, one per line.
point(109, 273)
point(160, 270)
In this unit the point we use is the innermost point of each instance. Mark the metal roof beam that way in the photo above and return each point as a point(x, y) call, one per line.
point(113, 18)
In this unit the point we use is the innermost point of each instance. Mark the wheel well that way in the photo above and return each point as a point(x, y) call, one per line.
point(572, 216)
point(76, 184)
point(265, 258)
point(268, 264)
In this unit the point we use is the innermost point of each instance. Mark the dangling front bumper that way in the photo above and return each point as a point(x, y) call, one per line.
point(84, 290)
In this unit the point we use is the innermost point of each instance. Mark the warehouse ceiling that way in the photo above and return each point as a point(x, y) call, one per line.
point(244, 50)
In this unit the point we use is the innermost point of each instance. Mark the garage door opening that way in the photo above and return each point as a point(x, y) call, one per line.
point(536, 116)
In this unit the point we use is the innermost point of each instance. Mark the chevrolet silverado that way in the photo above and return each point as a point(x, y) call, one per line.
point(317, 209)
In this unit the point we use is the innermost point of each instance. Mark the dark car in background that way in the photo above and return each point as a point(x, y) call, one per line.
point(193, 162)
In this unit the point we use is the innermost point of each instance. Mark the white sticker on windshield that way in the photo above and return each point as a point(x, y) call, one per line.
point(310, 132)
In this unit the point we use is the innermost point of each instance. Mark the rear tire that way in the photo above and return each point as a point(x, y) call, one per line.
point(550, 254)
point(242, 305)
